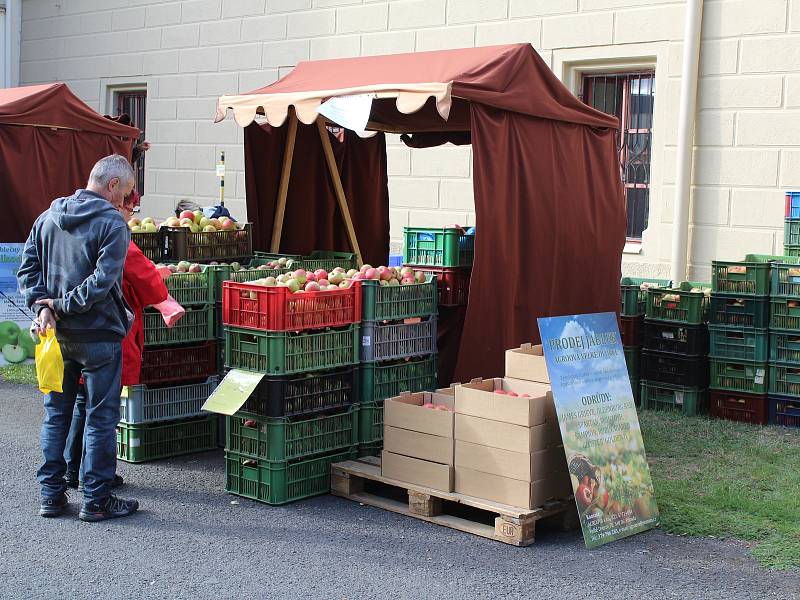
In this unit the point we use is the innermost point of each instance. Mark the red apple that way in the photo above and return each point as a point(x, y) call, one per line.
point(187, 214)
point(583, 496)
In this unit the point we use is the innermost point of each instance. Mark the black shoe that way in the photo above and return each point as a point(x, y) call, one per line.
point(72, 482)
point(109, 508)
point(118, 481)
point(53, 507)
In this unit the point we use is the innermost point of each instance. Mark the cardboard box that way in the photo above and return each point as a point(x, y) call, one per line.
point(478, 399)
point(416, 471)
point(527, 362)
point(524, 494)
point(525, 466)
point(507, 436)
point(405, 411)
point(433, 448)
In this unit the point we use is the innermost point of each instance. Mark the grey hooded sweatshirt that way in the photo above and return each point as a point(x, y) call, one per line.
point(75, 254)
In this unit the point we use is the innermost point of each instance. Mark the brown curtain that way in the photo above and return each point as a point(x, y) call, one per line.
point(313, 220)
point(550, 223)
point(39, 164)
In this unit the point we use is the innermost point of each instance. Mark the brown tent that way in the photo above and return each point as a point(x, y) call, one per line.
point(550, 214)
point(49, 141)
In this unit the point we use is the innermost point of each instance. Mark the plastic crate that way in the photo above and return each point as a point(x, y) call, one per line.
point(145, 404)
point(373, 449)
point(191, 288)
point(370, 426)
point(739, 311)
point(636, 389)
point(786, 278)
point(149, 244)
point(631, 330)
point(304, 395)
point(792, 205)
point(784, 411)
point(750, 276)
point(791, 250)
point(178, 243)
point(785, 314)
point(784, 346)
point(690, 340)
point(738, 406)
point(791, 232)
point(280, 482)
point(386, 380)
point(438, 247)
point(784, 379)
point(739, 375)
point(390, 341)
point(679, 304)
point(691, 401)
point(395, 302)
point(283, 439)
point(634, 294)
point(197, 325)
point(633, 355)
point(318, 259)
point(669, 367)
point(251, 274)
point(179, 364)
point(282, 353)
point(452, 283)
point(743, 343)
point(149, 441)
point(252, 306)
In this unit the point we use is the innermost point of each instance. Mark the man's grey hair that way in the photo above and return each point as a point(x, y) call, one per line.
point(109, 167)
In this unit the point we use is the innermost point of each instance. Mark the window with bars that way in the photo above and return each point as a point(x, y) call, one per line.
point(134, 104)
point(629, 97)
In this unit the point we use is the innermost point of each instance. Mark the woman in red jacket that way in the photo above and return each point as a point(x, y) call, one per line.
point(142, 286)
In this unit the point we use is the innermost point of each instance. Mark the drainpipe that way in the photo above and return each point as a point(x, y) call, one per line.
point(686, 114)
point(7, 44)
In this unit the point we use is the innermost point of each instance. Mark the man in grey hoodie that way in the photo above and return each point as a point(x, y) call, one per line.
point(71, 275)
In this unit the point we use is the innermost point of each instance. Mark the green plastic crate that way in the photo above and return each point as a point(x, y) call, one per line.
point(251, 274)
point(370, 425)
point(786, 278)
point(197, 325)
point(373, 449)
point(791, 250)
point(742, 343)
point(279, 483)
point(380, 381)
point(634, 295)
point(784, 379)
point(791, 232)
point(784, 346)
point(691, 401)
point(438, 247)
point(286, 353)
point(679, 304)
point(636, 389)
point(190, 288)
point(318, 259)
point(149, 441)
point(392, 303)
point(785, 314)
point(280, 439)
point(748, 277)
point(633, 356)
point(739, 375)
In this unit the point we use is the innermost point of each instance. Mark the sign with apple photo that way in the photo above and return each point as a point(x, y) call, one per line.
point(599, 426)
point(16, 345)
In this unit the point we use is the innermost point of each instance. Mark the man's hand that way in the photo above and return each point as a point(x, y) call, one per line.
point(144, 146)
point(47, 320)
point(48, 302)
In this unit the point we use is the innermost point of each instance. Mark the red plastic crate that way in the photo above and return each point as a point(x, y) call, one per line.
point(176, 364)
point(739, 406)
point(253, 306)
point(631, 330)
point(452, 283)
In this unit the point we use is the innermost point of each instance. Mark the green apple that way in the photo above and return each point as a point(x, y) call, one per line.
point(13, 354)
point(9, 333)
point(198, 216)
point(28, 344)
point(148, 220)
point(204, 222)
point(149, 227)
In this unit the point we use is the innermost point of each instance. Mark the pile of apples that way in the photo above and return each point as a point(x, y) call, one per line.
point(194, 221)
point(437, 407)
point(390, 276)
point(322, 281)
point(512, 394)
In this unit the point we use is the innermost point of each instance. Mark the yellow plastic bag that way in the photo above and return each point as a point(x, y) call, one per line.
point(49, 363)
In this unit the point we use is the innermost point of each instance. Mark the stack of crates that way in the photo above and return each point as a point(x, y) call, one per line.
point(398, 350)
point(303, 415)
point(161, 417)
point(674, 364)
point(783, 402)
point(791, 226)
point(740, 338)
point(631, 324)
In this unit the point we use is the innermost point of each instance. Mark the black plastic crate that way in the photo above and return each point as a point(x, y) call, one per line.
point(676, 369)
point(691, 340)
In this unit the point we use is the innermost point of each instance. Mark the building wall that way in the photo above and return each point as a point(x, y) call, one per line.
point(187, 53)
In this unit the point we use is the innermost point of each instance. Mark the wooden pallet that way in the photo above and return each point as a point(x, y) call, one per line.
point(361, 481)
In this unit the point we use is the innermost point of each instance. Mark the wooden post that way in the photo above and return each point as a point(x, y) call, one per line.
point(283, 188)
point(337, 186)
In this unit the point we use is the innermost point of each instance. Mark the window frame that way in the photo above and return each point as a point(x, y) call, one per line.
point(118, 95)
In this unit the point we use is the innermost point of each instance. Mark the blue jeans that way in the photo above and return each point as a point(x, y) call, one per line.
point(74, 451)
point(100, 363)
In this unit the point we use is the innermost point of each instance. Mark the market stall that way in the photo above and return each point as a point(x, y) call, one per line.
point(548, 199)
point(49, 141)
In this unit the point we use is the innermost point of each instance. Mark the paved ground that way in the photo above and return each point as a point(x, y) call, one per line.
point(189, 541)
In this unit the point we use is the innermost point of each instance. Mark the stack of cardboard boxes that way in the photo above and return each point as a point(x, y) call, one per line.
point(502, 443)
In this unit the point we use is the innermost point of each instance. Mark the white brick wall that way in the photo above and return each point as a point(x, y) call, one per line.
point(188, 52)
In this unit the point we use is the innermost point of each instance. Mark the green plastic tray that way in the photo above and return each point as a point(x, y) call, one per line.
point(438, 247)
point(784, 379)
point(149, 441)
point(691, 401)
point(370, 426)
point(785, 314)
point(739, 375)
point(749, 277)
point(679, 304)
point(738, 343)
point(633, 355)
point(634, 298)
point(380, 381)
point(392, 303)
point(197, 325)
point(784, 346)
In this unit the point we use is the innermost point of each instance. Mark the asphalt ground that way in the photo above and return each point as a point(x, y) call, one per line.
point(190, 541)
